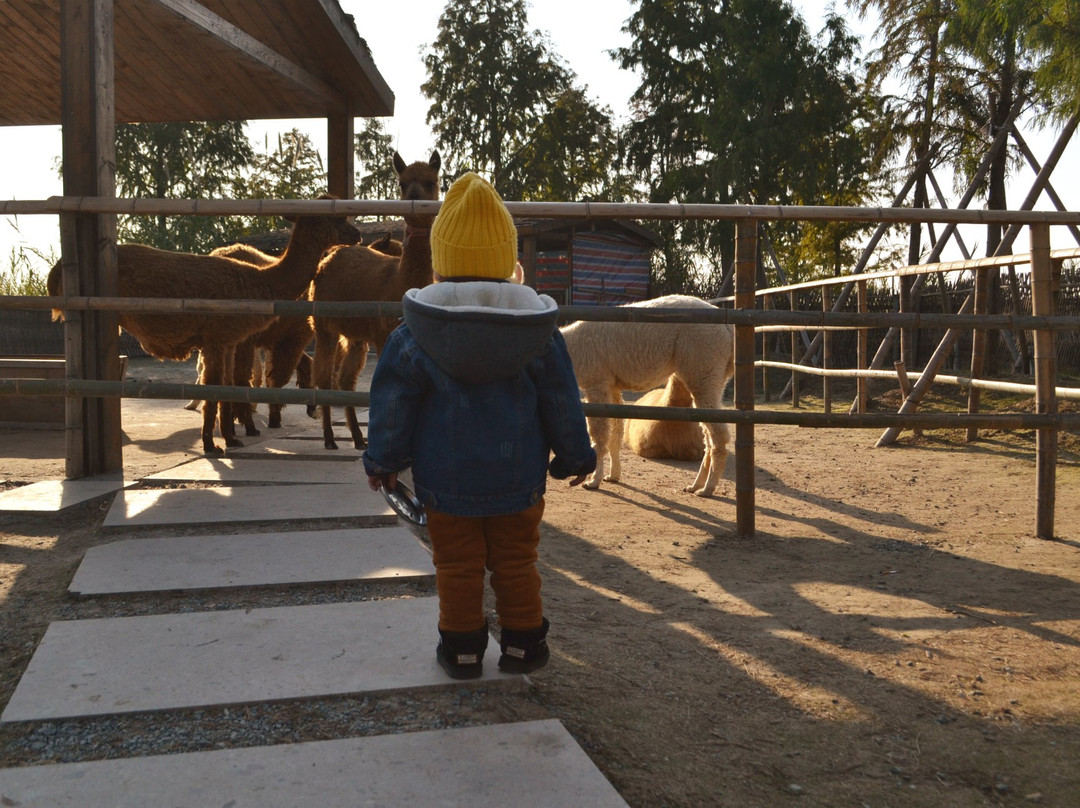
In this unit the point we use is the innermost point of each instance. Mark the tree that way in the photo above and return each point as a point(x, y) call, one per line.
point(376, 177)
point(1055, 42)
point(738, 103)
point(181, 161)
point(492, 83)
point(292, 170)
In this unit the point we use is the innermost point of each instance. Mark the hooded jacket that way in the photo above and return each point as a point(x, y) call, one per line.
point(474, 392)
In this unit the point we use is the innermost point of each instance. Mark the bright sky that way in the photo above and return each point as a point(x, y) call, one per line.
point(396, 44)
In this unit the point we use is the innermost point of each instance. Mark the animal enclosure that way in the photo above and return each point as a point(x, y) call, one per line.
point(745, 316)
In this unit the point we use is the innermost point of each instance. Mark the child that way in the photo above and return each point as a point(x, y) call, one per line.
point(475, 391)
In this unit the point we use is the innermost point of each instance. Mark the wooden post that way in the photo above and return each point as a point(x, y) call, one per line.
point(826, 351)
point(746, 249)
point(341, 154)
point(863, 350)
point(1042, 305)
point(978, 346)
point(765, 394)
point(88, 241)
point(794, 383)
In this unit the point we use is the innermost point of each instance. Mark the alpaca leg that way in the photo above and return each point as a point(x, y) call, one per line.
point(348, 372)
point(244, 361)
point(615, 440)
point(194, 404)
point(326, 346)
point(304, 378)
point(716, 452)
point(213, 373)
point(598, 435)
point(279, 369)
point(229, 410)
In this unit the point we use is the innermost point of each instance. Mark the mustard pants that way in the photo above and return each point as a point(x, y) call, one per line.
point(463, 547)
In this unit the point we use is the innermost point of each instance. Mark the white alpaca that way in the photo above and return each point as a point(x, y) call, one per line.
point(610, 357)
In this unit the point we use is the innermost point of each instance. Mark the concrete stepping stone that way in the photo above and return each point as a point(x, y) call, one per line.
point(56, 495)
point(261, 470)
point(251, 503)
point(298, 448)
point(527, 763)
point(176, 661)
point(251, 559)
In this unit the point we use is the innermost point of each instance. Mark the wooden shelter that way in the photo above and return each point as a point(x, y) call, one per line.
point(576, 261)
point(88, 64)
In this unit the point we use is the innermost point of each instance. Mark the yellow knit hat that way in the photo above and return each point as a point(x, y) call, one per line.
point(474, 235)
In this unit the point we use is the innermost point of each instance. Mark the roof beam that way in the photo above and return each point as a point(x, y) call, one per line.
point(236, 38)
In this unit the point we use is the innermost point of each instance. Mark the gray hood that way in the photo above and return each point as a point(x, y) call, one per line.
point(480, 331)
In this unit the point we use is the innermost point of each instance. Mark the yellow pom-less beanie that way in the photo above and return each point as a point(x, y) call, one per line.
point(474, 235)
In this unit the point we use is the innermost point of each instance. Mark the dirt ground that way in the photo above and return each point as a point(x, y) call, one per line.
point(893, 635)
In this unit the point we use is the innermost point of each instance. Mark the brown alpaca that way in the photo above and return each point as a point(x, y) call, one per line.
point(148, 272)
point(361, 273)
point(666, 440)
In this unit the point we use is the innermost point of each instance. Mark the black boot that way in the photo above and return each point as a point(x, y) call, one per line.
point(524, 651)
point(461, 653)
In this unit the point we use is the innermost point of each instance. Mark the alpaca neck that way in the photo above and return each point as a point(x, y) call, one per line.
point(415, 263)
point(292, 273)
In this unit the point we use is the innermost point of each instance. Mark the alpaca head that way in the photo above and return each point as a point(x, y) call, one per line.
point(419, 182)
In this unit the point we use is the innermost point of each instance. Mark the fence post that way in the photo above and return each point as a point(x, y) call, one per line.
point(746, 249)
point(1042, 305)
point(863, 350)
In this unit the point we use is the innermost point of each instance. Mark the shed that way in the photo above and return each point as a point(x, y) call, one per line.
point(580, 262)
point(88, 64)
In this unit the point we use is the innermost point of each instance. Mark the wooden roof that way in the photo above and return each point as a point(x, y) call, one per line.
point(186, 60)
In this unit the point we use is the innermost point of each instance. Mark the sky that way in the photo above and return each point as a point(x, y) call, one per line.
point(396, 41)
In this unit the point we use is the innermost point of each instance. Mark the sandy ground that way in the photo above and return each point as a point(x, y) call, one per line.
point(893, 635)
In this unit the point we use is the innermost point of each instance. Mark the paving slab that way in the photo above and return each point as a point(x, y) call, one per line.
point(251, 559)
point(529, 763)
point(259, 470)
point(56, 495)
point(246, 503)
point(298, 448)
point(116, 665)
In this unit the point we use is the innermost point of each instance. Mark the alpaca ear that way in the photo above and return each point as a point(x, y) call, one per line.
point(435, 162)
point(399, 164)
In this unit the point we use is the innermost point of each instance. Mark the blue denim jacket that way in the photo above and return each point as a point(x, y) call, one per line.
point(474, 392)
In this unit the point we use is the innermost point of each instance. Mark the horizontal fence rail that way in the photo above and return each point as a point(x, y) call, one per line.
point(753, 317)
point(75, 388)
point(568, 210)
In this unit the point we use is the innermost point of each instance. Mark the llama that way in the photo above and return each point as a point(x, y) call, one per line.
point(361, 273)
point(148, 272)
point(666, 440)
point(610, 357)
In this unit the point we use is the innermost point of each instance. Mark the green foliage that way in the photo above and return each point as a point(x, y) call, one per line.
point(492, 83)
point(1055, 41)
point(375, 175)
point(21, 277)
point(181, 161)
point(292, 170)
point(738, 103)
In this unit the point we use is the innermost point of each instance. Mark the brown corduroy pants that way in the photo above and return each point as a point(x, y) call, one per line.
point(463, 547)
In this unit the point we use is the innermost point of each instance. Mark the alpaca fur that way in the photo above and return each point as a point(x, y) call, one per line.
point(666, 440)
point(146, 272)
point(361, 273)
point(610, 357)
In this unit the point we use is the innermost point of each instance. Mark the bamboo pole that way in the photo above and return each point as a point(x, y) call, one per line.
point(746, 264)
point(826, 351)
point(1042, 302)
point(862, 348)
point(911, 403)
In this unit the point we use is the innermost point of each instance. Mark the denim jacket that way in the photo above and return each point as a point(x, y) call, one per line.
point(474, 392)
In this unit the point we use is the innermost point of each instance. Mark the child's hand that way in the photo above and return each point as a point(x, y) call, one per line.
point(378, 481)
point(578, 480)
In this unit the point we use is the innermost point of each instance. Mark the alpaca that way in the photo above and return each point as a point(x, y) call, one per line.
point(666, 440)
point(361, 273)
point(148, 272)
point(610, 357)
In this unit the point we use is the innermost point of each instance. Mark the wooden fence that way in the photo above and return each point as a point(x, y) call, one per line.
point(745, 317)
